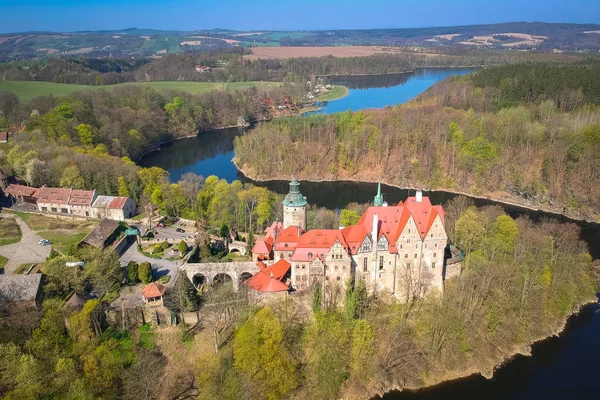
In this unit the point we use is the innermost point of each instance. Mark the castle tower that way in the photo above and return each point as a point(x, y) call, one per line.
point(294, 206)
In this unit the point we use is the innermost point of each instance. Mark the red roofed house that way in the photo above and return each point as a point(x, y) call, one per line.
point(270, 279)
point(263, 248)
point(3, 137)
point(153, 293)
point(55, 200)
point(116, 208)
point(396, 249)
point(80, 202)
point(22, 193)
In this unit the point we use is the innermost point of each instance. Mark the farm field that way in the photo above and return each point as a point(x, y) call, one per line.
point(336, 51)
point(27, 90)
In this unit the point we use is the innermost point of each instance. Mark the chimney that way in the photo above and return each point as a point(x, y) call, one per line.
point(375, 227)
point(419, 196)
point(299, 231)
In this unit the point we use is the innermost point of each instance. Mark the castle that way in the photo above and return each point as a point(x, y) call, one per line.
point(397, 249)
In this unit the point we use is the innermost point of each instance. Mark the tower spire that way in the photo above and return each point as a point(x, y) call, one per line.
point(378, 200)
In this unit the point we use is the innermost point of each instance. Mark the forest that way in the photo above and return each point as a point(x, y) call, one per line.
point(230, 66)
point(520, 281)
point(527, 133)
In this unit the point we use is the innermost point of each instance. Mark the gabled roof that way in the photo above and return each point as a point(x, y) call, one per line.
point(288, 238)
point(261, 247)
point(316, 243)
point(54, 195)
point(81, 197)
point(101, 233)
point(355, 236)
point(264, 283)
point(112, 202)
point(15, 288)
point(20, 190)
point(423, 213)
point(153, 289)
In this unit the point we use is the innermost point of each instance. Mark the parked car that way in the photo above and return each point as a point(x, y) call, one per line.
point(180, 230)
point(45, 242)
point(160, 225)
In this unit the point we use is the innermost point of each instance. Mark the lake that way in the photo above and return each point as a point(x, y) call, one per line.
point(210, 153)
point(559, 368)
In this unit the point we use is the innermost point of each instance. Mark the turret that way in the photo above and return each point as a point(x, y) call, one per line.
point(378, 200)
point(294, 206)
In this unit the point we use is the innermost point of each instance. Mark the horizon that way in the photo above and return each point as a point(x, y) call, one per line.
point(269, 15)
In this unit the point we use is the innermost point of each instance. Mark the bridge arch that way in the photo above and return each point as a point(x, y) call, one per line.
point(245, 276)
point(199, 280)
point(222, 278)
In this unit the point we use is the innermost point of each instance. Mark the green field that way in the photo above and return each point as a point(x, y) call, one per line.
point(26, 90)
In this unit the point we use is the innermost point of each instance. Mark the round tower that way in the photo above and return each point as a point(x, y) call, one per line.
point(294, 206)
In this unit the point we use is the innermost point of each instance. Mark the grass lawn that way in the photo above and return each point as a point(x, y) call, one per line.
point(62, 241)
point(26, 90)
point(9, 231)
point(337, 92)
point(3, 261)
point(62, 233)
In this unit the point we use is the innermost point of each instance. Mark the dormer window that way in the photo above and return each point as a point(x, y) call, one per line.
point(310, 255)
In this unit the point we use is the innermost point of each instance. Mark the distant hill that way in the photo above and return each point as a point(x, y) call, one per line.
point(155, 43)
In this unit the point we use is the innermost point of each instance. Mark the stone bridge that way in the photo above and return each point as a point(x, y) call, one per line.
point(202, 274)
point(236, 245)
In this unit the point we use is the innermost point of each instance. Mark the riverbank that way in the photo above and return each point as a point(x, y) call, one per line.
point(336, 93)
point(497, 362)
point(498, 197)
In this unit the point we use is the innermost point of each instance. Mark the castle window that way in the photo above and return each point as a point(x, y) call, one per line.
point(435, 245)
point(425, 245)
point(310, 255)
point(408, 230)
point(415, 255)
point(336, 267)
point(338, 278)
point(434, 254)
point(400, 246)
point(365, 265)
point(431, 235)
point(406, 255)
point(380, 262)
point(432, 265)
point(303, 266)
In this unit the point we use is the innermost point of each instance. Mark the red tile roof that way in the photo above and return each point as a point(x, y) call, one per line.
point(316, 243)
point(265, 283)
point(53, 195)
point(154, 289)
point(118, 203)
point(3, 136)
point(279, 269)
point(81, 197)
point(261, 248)
point(288, 238)
point(20, 190)
point(423, 213)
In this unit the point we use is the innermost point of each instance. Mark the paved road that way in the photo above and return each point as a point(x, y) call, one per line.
point(28, 250)
point(159, 267)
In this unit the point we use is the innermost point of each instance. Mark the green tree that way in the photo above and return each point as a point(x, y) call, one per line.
point(182, 247)
point(86, 136)
point(132, 272)
point(71, 178)
point(470, 230)
point(224, 231)
point(152, 178)
point(326, 344)
point(317, 300)
point(349, 218)
point(504, 232)
point(145, 272)
point(123, 190)
point(259, 354)
point(182, 296)
point(251, 241)
point(103, 270)
point(362, 352)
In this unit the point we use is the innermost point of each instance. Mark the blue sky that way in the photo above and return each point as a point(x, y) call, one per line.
point(76, 15)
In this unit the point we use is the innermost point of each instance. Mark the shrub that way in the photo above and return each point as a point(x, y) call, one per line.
point(157, 248)
point(145, 272)
point(164, 245)
point(182, 247)
point(132, 272)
